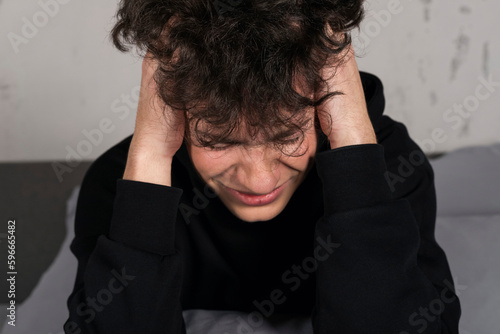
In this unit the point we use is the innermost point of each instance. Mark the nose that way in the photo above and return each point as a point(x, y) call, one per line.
point(258, 170)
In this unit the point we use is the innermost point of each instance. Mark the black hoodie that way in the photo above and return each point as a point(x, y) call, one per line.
point(354, 248)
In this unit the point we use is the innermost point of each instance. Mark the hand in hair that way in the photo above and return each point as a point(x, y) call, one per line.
point(344, 118)
point(159, 132)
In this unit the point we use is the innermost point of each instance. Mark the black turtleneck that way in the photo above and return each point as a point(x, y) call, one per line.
point(354, 248)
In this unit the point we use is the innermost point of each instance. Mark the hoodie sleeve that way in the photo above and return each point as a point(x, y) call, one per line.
point(129, 273)
point(387, 273)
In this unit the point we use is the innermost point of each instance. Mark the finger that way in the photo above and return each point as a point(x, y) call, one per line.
point(149, 67)
point(149, 96)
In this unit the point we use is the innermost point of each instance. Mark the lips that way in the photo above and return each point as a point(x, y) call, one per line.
point(256, 200)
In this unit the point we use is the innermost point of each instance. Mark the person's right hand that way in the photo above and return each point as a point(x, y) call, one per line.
point(158, 134)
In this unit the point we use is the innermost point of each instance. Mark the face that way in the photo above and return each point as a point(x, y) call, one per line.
point(253, 179)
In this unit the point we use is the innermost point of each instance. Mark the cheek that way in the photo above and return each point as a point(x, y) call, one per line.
point(303, 161)
point(209, 163)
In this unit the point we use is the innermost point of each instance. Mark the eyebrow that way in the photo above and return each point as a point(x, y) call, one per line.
point(275, 138)
point(287, 132)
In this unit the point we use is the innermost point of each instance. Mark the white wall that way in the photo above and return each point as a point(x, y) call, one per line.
point(63, 81)
point(430, 56)
point(67, 78)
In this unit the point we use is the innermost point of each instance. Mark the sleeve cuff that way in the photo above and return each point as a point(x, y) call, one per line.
point(144, 216)
point(353, 177)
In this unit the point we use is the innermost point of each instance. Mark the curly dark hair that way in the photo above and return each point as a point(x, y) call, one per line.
point(239, 63)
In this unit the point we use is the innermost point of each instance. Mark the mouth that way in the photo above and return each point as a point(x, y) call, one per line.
point(256, 199)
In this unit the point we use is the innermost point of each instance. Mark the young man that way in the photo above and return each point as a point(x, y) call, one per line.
point(246, 180)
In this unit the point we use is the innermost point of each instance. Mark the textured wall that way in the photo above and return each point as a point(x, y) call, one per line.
point(61, 81)
point(436, 59)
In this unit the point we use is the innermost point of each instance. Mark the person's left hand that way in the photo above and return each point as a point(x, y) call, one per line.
point(344, 118)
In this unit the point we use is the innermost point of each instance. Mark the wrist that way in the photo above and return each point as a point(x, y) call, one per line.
point(352, 138)
point(149, 168)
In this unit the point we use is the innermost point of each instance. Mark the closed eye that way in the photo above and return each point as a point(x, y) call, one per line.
point(219, 147)
point(292, 140)
point(224, 146)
